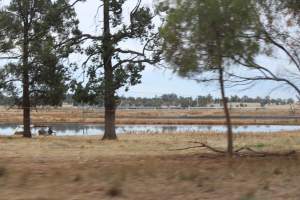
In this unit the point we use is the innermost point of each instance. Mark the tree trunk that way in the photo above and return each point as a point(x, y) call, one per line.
point(110, 129)
point(109, 93)
point(227, 114)
point(26, 95)
point(26, 107)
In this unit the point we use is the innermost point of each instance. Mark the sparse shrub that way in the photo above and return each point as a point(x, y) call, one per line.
point(260, 145)
point(114, 191)
point(248, 196)
point(2, 171)
point(277, 171)
point(266, 186)
point(77, 178)
point(187, 176)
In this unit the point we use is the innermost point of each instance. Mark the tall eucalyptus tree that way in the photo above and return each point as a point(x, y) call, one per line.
point(35, 27)
point(209, 36)
point(111, 62)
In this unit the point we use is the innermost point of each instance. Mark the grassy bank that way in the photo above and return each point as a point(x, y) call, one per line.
point(145, 167)
point(76, 115)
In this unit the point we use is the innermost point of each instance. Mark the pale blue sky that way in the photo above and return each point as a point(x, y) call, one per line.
point(157, 81)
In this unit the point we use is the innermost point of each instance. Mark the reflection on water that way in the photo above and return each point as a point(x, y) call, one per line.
point(169, 129)
point(77, 129)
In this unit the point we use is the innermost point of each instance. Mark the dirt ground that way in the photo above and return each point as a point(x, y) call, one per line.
point(147, 167)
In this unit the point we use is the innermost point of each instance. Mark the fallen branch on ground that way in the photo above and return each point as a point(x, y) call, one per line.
point(202, 145)
point(241, 152)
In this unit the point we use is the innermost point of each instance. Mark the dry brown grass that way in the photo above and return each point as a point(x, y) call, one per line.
point(143, 167)
point(76, 115)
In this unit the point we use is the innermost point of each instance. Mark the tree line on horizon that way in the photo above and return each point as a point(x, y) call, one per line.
point(168, 100)
point(205, 41)
point(174, 100)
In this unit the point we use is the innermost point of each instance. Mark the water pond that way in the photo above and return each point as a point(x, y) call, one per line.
point(79, 129)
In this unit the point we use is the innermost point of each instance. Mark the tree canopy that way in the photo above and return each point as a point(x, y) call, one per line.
point(213, 32)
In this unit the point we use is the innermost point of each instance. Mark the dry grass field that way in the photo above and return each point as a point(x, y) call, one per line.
point(147, 167)
point(140, 116)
